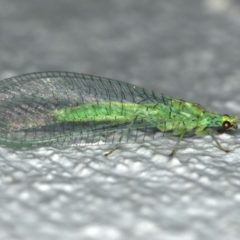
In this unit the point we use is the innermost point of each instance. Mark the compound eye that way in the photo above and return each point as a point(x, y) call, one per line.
point(226, 124)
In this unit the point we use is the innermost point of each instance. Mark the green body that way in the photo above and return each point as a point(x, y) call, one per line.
point(173, 114)
point(177, 116)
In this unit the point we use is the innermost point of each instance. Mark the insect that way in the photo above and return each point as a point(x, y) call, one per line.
point(65, 108)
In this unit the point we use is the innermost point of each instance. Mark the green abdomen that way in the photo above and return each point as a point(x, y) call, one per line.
point(101, 111)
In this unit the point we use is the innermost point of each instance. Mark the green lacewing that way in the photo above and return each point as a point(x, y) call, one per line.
point(64, 108)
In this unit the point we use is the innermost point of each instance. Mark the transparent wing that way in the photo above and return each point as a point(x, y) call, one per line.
point(27, 102)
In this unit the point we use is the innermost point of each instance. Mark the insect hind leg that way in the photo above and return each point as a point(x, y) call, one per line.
point(120, 138)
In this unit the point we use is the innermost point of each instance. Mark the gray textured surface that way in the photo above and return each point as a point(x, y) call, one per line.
point(189, 49)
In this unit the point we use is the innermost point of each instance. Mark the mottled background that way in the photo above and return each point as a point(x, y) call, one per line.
point(188, 49)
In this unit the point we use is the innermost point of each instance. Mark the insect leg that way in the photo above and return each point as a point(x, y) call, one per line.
point(120, 139)
point(216, 141)
point(200, 131)
point(176, 145)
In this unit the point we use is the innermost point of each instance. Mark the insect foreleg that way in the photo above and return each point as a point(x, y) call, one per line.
point(200, 131)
